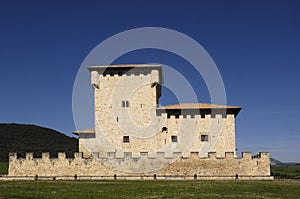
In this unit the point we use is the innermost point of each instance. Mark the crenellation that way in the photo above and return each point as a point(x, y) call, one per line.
point(29, 156)
point(144, 154)
point(177, 154)
point(95, 154)
point(111, 154)
point(186, 139)
point(227, 165)
point(61, 155)
point(160, 154)
point(127, 154)
point(212, 155)
point(264, 155)
point(247, 155)
point(218, 116)
point(194, 155)
point(12, 157)
point(78, 155)
point(45, 155)
point(229, 155)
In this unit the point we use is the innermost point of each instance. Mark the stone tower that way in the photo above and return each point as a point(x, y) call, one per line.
point(128, 118)
point(135, 138)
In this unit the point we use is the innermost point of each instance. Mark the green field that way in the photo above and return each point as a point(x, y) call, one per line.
point(150, 189)
point(290, 171)
point(3, 168)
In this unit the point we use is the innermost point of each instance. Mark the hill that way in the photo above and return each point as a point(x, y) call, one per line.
point(22, 138)
point(274, 162)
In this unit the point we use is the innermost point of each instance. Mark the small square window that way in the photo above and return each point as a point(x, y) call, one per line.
point(120, 73)
point(104, 74)
point(204, 138)
point(112, 73)
point(202, 116)
point(126, 139)
point(174, 138)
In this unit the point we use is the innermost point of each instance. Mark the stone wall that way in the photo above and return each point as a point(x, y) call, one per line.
point(248, 166)
point(142, 122)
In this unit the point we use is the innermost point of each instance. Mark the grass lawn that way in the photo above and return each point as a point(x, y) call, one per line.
point(150, 189)
point(290, 171)
point(3, 168)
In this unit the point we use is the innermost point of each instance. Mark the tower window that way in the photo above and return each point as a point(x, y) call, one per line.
point(112, 73)
point(104, 74)
point(126, 139)
point(174, 138)
point(125, 103)
point(202, 116)
point(204, 138)
point(120, 73)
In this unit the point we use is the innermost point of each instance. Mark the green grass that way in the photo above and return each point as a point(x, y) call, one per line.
point(290, 171)
point(150, 189)
point(3, 168)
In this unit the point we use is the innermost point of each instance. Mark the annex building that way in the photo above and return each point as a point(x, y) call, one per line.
point(135, 138)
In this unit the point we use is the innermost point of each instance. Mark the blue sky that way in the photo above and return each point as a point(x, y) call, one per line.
point(255, 45)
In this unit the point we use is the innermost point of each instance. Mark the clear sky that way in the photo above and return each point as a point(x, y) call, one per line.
point(255, 44)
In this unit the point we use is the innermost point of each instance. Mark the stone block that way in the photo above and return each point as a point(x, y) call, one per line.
point(45, 155)
point(229, 155)
point(61, 156)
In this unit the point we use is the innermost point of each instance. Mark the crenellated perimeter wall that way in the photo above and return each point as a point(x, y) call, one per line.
point(211, 167)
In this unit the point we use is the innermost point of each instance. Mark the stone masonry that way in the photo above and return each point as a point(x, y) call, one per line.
point(135, 137)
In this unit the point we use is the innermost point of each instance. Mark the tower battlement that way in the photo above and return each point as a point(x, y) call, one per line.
point(227, 165)
point(133, 135)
